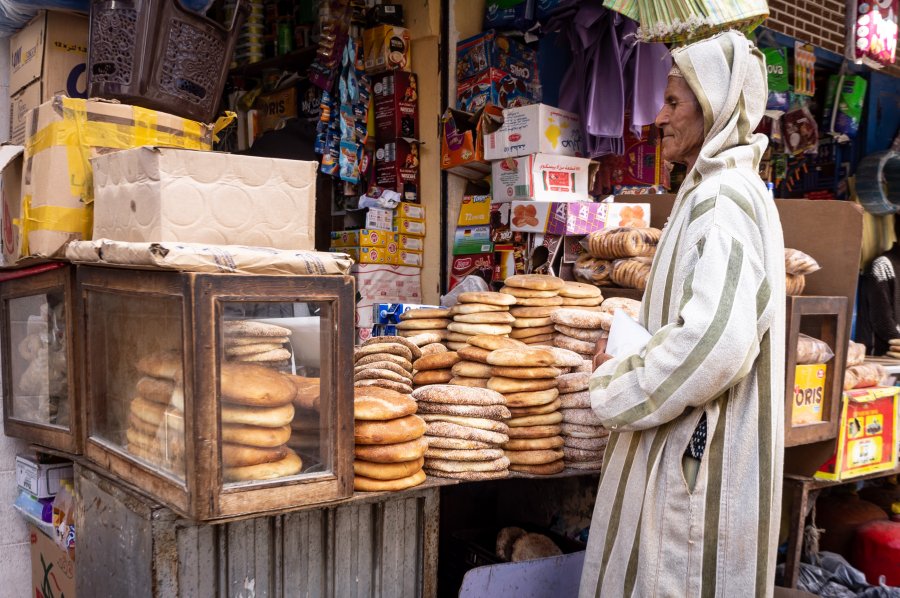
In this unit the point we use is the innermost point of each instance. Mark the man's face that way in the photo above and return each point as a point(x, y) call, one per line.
point(681, 122)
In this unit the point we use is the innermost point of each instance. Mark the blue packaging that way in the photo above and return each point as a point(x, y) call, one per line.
point(509, 14)
point(494, 87)
point(389, 313)
point(494, 50)
point(382, 330)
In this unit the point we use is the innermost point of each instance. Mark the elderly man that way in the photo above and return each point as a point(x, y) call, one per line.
point(689, 500)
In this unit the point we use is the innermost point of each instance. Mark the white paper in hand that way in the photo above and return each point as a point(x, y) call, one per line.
point(626, 337)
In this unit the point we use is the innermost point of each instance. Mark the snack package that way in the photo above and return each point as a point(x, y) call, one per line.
point(801, 133)
point(796, 262)
point(632, 273)
point(622, 242)
point(777, 69)
point(849, 100)
point(812, 350)
point(592, 270)
point(863, 376)
point(856, 353)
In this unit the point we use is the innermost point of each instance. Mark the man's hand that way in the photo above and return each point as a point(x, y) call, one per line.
point(600, 354)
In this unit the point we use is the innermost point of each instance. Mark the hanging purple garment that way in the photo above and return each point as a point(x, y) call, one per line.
point(652, 66)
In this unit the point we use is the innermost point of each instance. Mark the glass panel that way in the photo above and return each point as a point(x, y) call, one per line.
point(40, 388)
point(275, 414)
point(135, 384)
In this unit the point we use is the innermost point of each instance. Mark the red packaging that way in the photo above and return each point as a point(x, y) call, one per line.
point(641, 165)
point(396, 105)
point(481, 264)
point(397, 167)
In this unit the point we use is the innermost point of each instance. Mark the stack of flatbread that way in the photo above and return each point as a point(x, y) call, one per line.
point(472, 369)
point(537, 296)
point(426, 320)
point(248, 341)
point(386, 361)
point(155, 431)
point(389, 441)
point(584, 439)
point(631, 307)
point(579, 330)
point(465, 431)
point(527, 378)
point(434, 368)
point(306, 427)
point(479, 313)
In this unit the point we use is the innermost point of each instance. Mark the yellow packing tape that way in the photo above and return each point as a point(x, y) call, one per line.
point(54, 218)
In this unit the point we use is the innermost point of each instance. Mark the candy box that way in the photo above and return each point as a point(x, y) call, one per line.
point(472, 239)
point(490, 49)
point(397, 167)
point(496, 87)
point(396, 105)
point(462, 147)
point(481, 265)
point(386, 48)
point(475, 210)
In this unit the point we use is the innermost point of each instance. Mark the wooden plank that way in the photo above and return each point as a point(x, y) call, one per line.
point(240, 548)
point(431, 515)
point(344, 539)
point(197, 562)
point(264, 564)
point(411, 549)
point(294, 535)
point(392, 565)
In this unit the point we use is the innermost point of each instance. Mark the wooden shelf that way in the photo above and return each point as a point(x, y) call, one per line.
point(298, 60)
point(817, 484)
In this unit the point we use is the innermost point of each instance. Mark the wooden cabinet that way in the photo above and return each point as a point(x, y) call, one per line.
point(40, 399)
point(220, 395)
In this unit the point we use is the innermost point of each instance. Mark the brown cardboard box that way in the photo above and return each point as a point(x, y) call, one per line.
point(275, 106)
point(462, 141)
point(396, 105)
point(52, 569)
point(10, 195)
point(47, 57)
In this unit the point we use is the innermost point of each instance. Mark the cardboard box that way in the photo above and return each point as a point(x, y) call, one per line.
point(52, 568)
point(534, 129)
point(409, 226)
point(576, 218)
point(413, 211)
point(381, 283)
point(20, 104)
point(58, 185)
point(386, 48)
point(380, 219)
point(363, 238)
point(494, 50)
point(51, 49)
point(42, 480)
point(389, 313)
point(462, 141)
point(378, 255)
point(382, 330)
point(411, 243)
point(475, 210)
point(809, 393)
point(544, 177)
point(164, 194)
point(396, 105)
point(11, 160)
point(416, 259)
point(516, 15)
point(472, 239)
point(640, 165)
point(496, 87)
point(274, 106)
point(501, 222)
point(481, 265)
point(397, 167)
point(867, 441)
point(628, 214)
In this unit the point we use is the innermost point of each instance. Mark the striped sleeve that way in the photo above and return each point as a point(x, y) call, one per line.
point(708, 348)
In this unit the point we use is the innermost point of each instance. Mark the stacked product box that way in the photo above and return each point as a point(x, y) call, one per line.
point(367, 246)
point(387, 315)
point(492, 68)
point(473, 250)
point(409, 223)
point(383, 283)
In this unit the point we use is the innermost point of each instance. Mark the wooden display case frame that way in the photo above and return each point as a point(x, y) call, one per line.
point(833, 312)
point(201, 495)
point(28, 282)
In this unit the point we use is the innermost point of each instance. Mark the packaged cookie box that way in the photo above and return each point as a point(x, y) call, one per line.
point(219, 394)
point(41, 402)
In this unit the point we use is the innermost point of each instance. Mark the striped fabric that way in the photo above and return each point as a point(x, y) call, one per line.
point(715, 307)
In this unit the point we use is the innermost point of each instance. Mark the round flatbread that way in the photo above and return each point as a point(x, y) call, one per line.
point(545, 340)
point(251, 328)
point(487, 298)
point(581, 431)
point(457, 337)
point(379, 374)
point(514, 385)
point(254, 385)
point(545, 469)
point(587, 444)
point(402, 429)
point(522, 357)
point(535, 431)
point(464, 455)
point(429, 324)
point(534, 457)
point(415, 334)
point(457, 395)
point(372, 403)
point(238, 341)
point(469, 476)
point(579, 318)
point(477, 354)
point(582, 334)
point(475, 308)
point(389, 384)
point(631, 307)
point(575, 400)
point(505, 540)
point(590, 302)
point(238, 455)
point(413, 347)
point(536, 410)
point(469, 382)
point(539, 301)
point(388, 348)
point(450, 466)
point(387, 471)
point(456, 443)
point(488, 317)
point(439, 361)
point(523, 373)
point(454, 346)
point(289, 465)
point(378, 357)
point(534, 444)
point(524, 334)
point(580, 290)
point(267, 417)
point(575, 382)
point(540, 282)
point(428, 377)
point(364, 484)
point(276, 356)
point(433, 348)
point(472, 369)
point(491, 342)
point(475, 329)
point(527, 293)
point(586, 367)
point(531, 399)
point(575, 454)
point(392, 453)
point(565, 358)
point(585, 465)
point(157, 390)
point(532, 312)
point(451, 430)
point(581, 417)
point(571, 344)
point(385, 365)
point(471, 422)
point(498, 412)
point(257, 436)
point(532, 322)
point(426, 313)
point(237, 350)
point(164, 364)
point(425, 338)
point(544, 419)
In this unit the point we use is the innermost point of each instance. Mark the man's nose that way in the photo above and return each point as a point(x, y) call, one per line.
point(662, 118)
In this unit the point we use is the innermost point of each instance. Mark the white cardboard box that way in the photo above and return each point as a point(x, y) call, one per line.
point(535, 129)
point(543, 177)
point(41, 479)
point(151, 194)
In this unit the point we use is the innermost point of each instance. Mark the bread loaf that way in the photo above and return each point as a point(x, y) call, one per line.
point(433, 348)
point(582, 334)
point(254, 329)
point(578, 318)
point(388, 348)
point(522, 357)
point(427, 377)
point(567, 342)
point(456, 443)
point(535, 410)
point(385, 365)
point(157, 390)
point(379, 374)
point(429, 324)
point(472, 369)
point(165, 364)
point(467, 381)
point(499, 412)
point(392, 431)
point(477, 354)
point(523, 334)
point(413, 347)
point(530, 399)
point(468, 476)
point(544, 419)
point(475, 308)
point(475, 329)
point(267, 417)
point(528, 293)
point(566, 358)
point(582, 431)
point(585, 465)
point(492, 343)
point(389, 384)
point(457, 395)
point(424, 339)
point(238, 341)
point(488, 298)
point(254, 385)
point(456, 346)
point(438, 361)
point(373, 403)
point(532, 322)
point(289, 465)
point(545, 469)
point(535, 432)
point(236, 350)
point(257, 436)
point(579, 290)
point(419, 334)
point(575, 454)
point(276, 355)
point(576, 400)
point(238, 455)
point(534, 457)
point(523, 373)
point(450, 466)
point(588, 302)
point(392, 453)
point(490, 317)
point(532, 312)
point(539, 282)
point(534, 444)
point(513, 385)
point(379, 357)
point(458, 337)
point(629, 306)
point(588, 444)
point(582, 417)
point(387, 471)
point(451, 430)
point(539, 301)
point(425, 313)
point(364, 484)
point(575, 382)
point(471, 422)
point(464, 455)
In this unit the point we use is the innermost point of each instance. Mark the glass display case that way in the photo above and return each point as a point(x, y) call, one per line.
point(220, 395)
point(40, 399)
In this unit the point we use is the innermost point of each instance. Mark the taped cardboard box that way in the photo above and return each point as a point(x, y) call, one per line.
point(462, 141)
point(63, 135)
point(153, 194)
point(534, 129)
point(543, 177)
